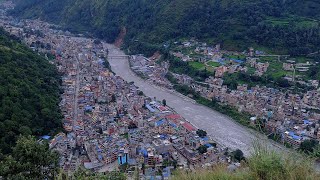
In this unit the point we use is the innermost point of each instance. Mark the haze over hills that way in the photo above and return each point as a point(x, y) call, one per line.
point(288, 26)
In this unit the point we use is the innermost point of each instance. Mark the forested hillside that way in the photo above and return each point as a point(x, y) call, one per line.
point(29, 93)
point(288, 26)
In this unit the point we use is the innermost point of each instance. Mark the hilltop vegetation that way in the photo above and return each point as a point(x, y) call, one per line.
point(289, 26)
point(29, 160)
point(264, 164)
point(29, 93)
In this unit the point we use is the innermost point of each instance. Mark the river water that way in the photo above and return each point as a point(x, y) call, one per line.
point(219, 127)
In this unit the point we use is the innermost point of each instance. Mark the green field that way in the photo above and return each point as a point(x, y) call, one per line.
point(298, 21)
point(240, 57)
point(302, 59)
point(275, 67)
point(214, 64)
point(197, 65)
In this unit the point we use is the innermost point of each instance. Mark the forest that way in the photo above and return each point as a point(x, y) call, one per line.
point(29, 93)
point(286, 27)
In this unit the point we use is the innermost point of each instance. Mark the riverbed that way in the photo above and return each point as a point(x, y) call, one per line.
point(219, 127)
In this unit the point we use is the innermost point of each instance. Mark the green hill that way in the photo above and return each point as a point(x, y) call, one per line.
point(29, 93)
point(285, 26)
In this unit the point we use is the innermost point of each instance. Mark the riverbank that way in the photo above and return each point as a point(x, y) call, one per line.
point(220, 127)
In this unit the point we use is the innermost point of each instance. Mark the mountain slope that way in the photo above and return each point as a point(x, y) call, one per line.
point(289, 25)
point(29, 93)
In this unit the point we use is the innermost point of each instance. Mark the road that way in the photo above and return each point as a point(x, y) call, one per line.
point(75, 108)
point(219, 127)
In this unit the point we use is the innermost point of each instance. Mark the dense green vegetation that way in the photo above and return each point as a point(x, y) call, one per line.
point(289, 26)
point(195, 70)
point(310, 147)
point(29, 93)
point(263, 164)
point(30, 159)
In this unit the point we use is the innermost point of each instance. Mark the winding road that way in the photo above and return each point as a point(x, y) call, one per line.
point(219, 127)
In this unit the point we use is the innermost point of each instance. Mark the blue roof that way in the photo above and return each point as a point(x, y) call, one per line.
point(295, 137)
point(160, 122)
point(150, 108)
point(88, 108)
point(173, 125)
point(108, 138)
point(144, 152)
point(291, 133)
point(208, 145)
point(100, 157)
point(163, 136)
point(46, 137)
point(306, 122)
point(237, 60)
point(165, 174)
point(205, 138)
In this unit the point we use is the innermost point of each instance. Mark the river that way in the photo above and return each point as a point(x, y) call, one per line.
point(219, 127)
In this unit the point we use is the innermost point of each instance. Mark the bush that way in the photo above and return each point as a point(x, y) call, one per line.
point(264, 164)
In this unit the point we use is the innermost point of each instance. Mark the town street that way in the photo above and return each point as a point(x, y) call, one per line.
point(220, 127)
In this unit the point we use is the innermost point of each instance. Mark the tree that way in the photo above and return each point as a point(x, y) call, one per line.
point(29, 93)
point(132, 126)
point(30, 160)
point(140, 93)
point(308, 146)
point(164, 102)
point(238, 155)
point(316, 152)
point(201, 133)
point(24, 130)
point(283, 82)
point(113, 98)
point(202, 149)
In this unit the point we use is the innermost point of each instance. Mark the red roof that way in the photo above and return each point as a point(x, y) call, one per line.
point(173, 116)
point(162, 108)
point(188, 126)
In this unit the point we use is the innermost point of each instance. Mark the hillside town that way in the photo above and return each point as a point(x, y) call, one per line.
point(109, 123)
point(291, 117)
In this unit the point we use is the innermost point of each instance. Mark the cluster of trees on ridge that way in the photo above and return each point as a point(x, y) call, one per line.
point(29, 93)
point(235, 24)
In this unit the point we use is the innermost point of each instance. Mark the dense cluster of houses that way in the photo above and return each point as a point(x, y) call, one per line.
point(260, 67)
point(293, 117)
point(108, 122)
point(148, 69)
point(283, 113)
